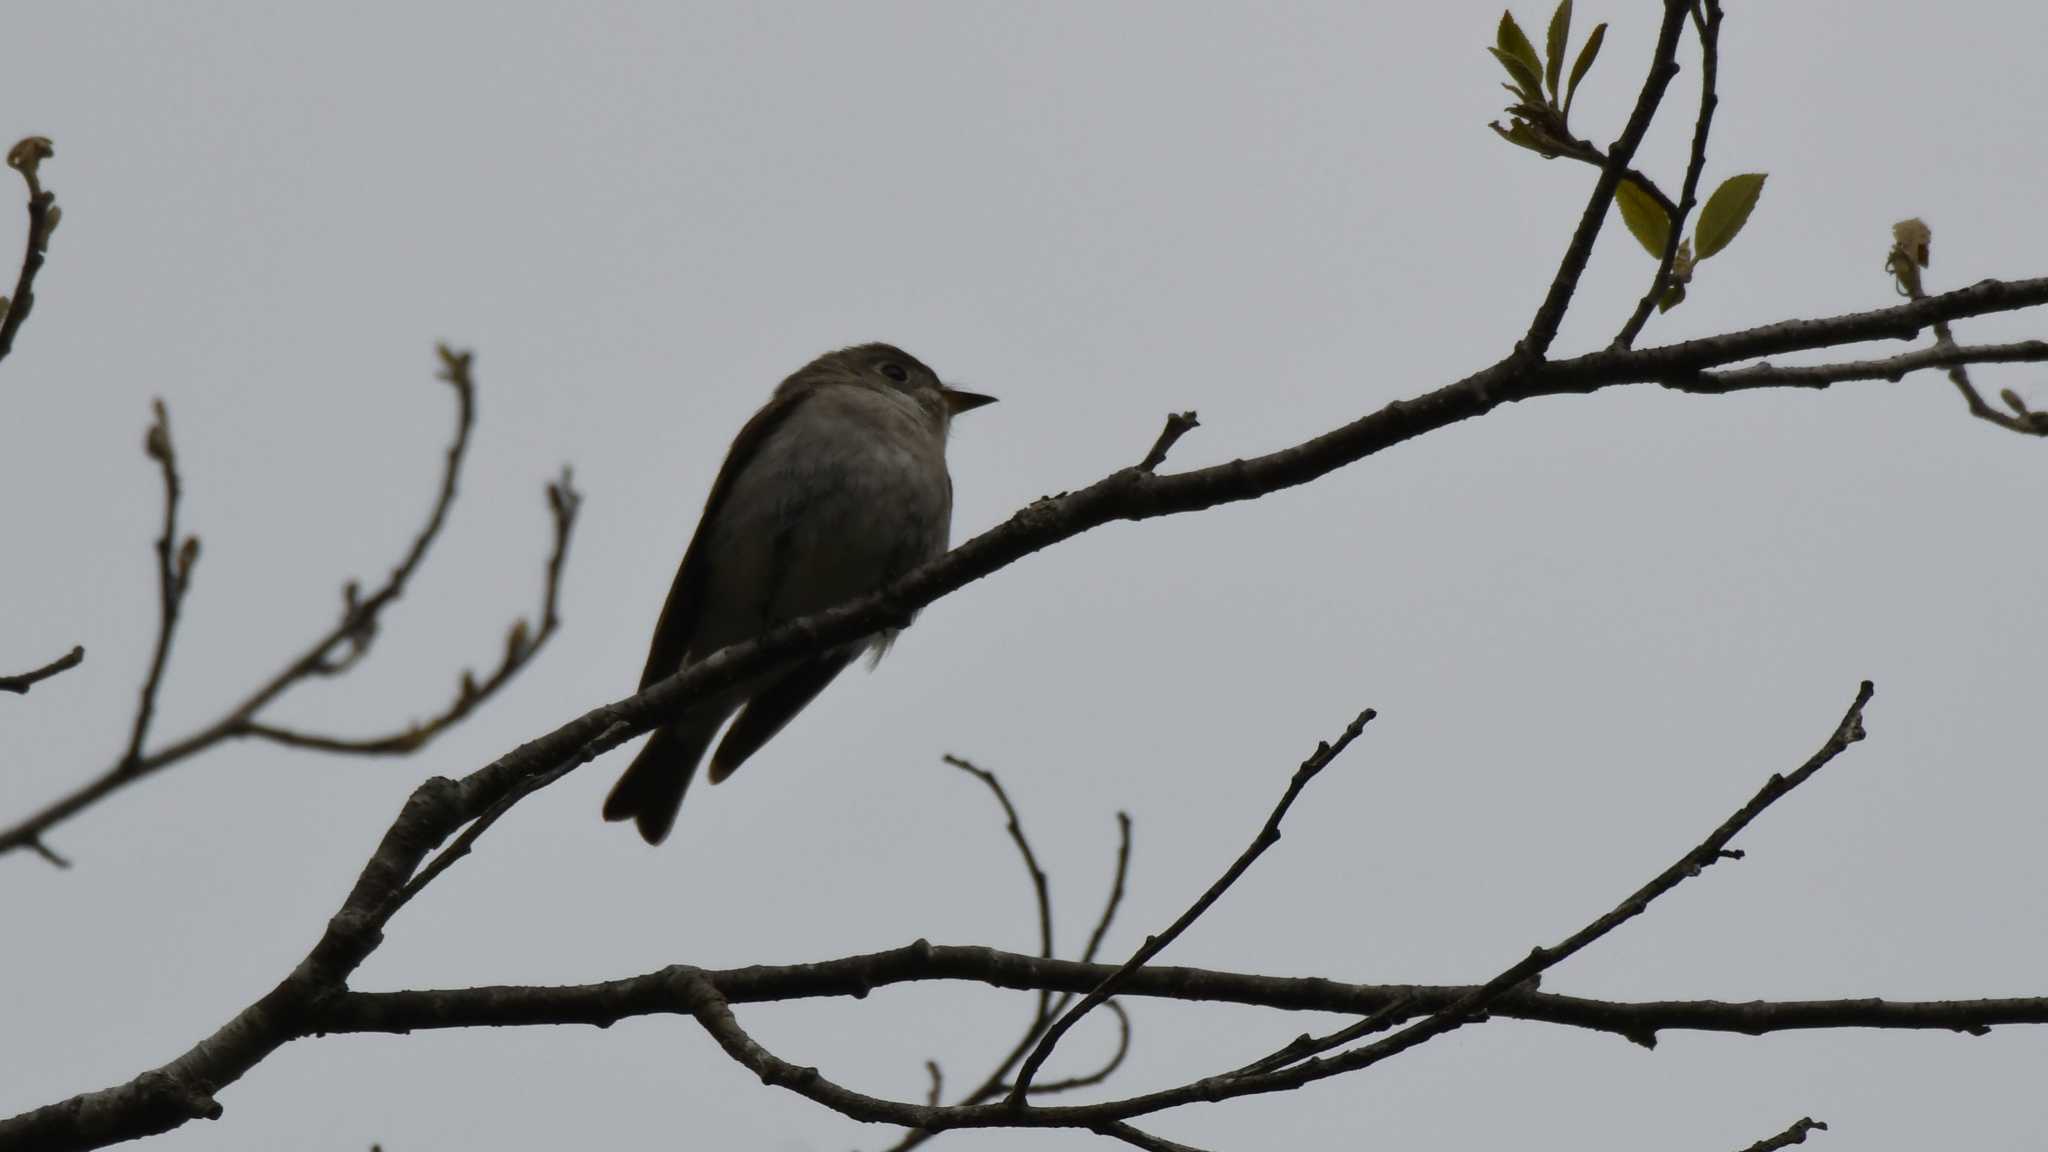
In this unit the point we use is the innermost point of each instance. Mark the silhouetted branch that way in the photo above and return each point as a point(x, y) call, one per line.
point(1178, 424)
point(1565, 284)
point(174, 560)
point(1911, 241)
point(1890, 368)
point(652, 994)
point(21, 682)
point(1268, 836)
point(996, 1082)
point(1139, 1139)
point(699, 992)
point(333, 652)
point(1708, 24)
point(440, 807)
point(26, 157)
point(522, 644)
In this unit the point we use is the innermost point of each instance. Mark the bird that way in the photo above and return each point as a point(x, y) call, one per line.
point(835, 488)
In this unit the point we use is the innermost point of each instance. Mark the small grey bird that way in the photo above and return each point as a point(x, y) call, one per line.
point(834, 489)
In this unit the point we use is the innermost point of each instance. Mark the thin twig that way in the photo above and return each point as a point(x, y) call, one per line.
point(1891, 368)
point(26, 157)
point(1910, 243)
point(21, 682)
point(1105, 1070)
point(997, 1081)
point(1267, 837)
point(1306, 1045)
point(1709, 29)
point(1178, 424)
point(522, 644)
point(1565, 284)
point(174, 560)
point(1041, 890)
point(1140, 1139)
point(1474, 1005)
point(1640, 1022)
point(332, 653)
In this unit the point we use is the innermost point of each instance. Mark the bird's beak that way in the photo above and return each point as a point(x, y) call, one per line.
point(958, 401)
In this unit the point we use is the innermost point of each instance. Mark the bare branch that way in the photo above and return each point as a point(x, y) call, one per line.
point(174, 560)
point(1268, 836)
point(21, 682)
point(996, 1082)
point(651, 994)
point(1305, 1045)
point(1138, 1139)
point(1563, 286)
point(26, 157)
point(522, 644)
point(1041, 891)
point(1475, 1005)
point(1709, 28)
point(334, 652)
point(1910, 243)
point(439, 807)
point(1891, 368)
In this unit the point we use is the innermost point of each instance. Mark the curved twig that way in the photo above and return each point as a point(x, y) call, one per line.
point(21, 682)
point(333, 652)
point(996, 1083)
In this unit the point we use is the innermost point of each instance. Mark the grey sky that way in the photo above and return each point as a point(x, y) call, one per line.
point(1592, 625)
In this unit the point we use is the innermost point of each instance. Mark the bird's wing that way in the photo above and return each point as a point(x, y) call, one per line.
point(774, 706)
point(680, 615)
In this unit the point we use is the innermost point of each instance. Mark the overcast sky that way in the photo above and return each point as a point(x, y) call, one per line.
point(1592, 625)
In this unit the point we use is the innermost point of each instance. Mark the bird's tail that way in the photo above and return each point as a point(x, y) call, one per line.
point(651, 790)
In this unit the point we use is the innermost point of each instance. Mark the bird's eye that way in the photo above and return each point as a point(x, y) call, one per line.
point(895, 372)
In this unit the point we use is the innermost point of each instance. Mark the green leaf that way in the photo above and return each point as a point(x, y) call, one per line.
point(1526, 85)
point(1645, 217)
point(1560, 35)
point(1726, 211)
point(1511, 41)
point(1583, 64)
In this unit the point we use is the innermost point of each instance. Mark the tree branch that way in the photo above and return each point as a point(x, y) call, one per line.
point(996, 1082)
point(1911, 240)
point(439, 807)
point(1891, 368)
point(21, 682)
point(1563, 286)
point(26, 157)
point(604, 1004)
point(334, 652)
point(174, 560)
point(1268, 836)
point(1662, 282)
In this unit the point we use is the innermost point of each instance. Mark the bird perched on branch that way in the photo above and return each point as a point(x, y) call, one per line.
point(834, 489)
